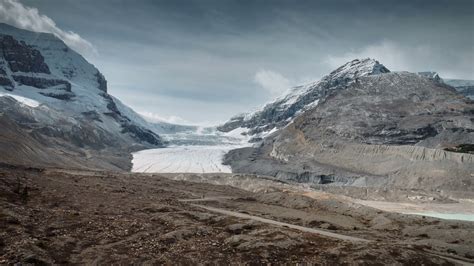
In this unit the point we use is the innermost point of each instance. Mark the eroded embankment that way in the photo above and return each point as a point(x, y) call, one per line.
point(403, 166)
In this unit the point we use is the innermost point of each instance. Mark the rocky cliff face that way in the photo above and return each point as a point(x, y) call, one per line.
point(384, 129)
point(22, 58)
point(72, 108)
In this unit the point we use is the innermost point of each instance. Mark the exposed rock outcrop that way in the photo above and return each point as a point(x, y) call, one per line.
point(22, 57)
point(42, 83)
point(101, 81)
point(6, 82)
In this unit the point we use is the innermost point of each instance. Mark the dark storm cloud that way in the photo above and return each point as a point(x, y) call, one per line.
point(222, 57)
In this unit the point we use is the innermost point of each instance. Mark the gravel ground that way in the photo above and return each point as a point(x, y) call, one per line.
point(56, 216)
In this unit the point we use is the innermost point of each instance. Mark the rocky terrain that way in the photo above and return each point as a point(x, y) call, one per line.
point(372, 128)
point(465, 87)
point(30, 144)
point(60, 216)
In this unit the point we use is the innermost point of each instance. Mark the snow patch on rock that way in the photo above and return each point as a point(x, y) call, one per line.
point(21, 99)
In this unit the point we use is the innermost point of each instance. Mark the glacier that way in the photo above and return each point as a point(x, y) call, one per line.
point(200, 150)
point(182, 159)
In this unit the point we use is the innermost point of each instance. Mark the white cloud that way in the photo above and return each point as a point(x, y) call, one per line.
point(14, 13)
point(272, 82)
point(154, 118)
point(415, 58)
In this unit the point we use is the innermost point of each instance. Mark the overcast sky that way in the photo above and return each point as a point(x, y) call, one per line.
point(203, 61)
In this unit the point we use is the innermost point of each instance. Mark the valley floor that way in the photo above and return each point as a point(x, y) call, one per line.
point(85, 217)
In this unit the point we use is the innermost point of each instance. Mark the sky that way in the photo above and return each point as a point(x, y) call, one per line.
point(203, 61)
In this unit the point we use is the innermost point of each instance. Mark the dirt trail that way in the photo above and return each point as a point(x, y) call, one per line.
point(454, 259)
point(269, 221)
point(273, 222)
point(206, 199)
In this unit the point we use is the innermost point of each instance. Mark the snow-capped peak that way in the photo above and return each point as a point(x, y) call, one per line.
point(42, 68)
point(360, 67)
point(347, 73)
point(283, 110)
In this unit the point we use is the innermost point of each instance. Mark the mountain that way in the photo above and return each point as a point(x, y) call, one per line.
point(62, 102)
point(366, 126)
point(284, 110)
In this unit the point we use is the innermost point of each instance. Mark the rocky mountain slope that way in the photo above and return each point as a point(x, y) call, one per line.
point(463, 86)
point(372, 128)
point(62, 102)
point(283, 110)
